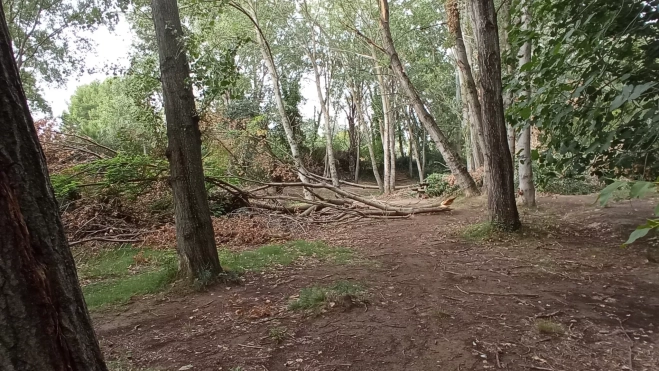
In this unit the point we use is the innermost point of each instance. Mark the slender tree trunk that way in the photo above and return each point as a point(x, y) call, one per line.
point(367, 132)
point(44, 323)
point(413, 145)
point(326, 116)
point(526, 185)
point(392, 139)
point(386, 124)
point(501, 189)
point(467, 78)
point(281, 107)
point(195, 239)
point(452, 159)
point(357, 151)
point(424, 145)
point(507, 95)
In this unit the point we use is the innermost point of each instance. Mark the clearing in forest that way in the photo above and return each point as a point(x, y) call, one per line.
point(431, 292)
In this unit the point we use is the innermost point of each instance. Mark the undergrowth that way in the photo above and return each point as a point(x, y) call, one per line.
point(318, 297)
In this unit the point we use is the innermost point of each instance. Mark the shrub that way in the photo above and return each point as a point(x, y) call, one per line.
point(441, 185)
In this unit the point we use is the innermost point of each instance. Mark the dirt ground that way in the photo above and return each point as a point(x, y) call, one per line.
point(436, 301)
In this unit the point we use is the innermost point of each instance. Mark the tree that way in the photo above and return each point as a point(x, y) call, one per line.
point(195, 239)
point(526, 186)
point(451, 157)
point(49, 42)
point(501, 186)
point(44, 320)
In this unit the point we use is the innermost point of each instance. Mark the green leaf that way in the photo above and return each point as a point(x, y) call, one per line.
point(640, 89)
point(606, 194)
point(638, 233)
point(525, 113)
point(639, 189)
point(619, 101)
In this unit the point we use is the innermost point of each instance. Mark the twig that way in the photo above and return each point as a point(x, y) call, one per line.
point(497, 294)
point(547, 315)
point(631, 345)
point(249, 346)
point(452, 298)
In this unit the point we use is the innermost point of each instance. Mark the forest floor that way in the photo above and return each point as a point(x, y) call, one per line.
point(431, 292)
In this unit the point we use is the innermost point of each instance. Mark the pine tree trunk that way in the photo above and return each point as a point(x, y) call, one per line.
point(451, 157)
point(195, 239)
point(501, 189)
point(526, 185)
point(44, 323)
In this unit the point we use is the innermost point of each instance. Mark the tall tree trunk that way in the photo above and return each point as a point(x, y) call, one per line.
point(324, 103)
point(413, 144)
point(281, 107)
point(507, 95)
point(452, 159)
point(392, 136)
point(387, 138)
point(358, 143)
point(44, 323)
point(195, 239)
point(501, 188)
point(367, 132)
point(526, 185)
point(468, 81)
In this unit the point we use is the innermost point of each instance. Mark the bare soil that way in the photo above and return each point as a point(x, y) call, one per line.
point(436, 301)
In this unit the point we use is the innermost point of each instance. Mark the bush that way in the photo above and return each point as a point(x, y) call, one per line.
point(65, 188)
point(441, 185)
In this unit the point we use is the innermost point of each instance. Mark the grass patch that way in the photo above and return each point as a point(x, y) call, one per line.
point(548, 327)
point(479, 231)
point(285, 254)
point(277, 334)
point(119, 274)
point(318, 297)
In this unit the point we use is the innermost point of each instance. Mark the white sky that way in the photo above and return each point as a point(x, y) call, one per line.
point(113, 48)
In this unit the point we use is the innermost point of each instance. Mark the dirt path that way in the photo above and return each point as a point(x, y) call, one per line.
point(437, 301)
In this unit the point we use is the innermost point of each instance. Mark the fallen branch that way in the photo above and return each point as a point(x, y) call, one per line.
point(103, 239)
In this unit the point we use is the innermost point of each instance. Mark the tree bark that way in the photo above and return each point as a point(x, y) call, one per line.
point(413, 144)
point(367, 132)
point(195, 239)
point(451, 157)
point(507, 95)
point(501, 189)
point(44, 322)
point(526, 186)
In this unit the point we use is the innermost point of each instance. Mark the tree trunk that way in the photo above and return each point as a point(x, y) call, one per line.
point(452, 159)
point(44, 323)
point(507, 95)
point(358, 143)
point(367, 132)
point(195, 239)
point(501, 189)
point(392, 137)
point(386, 124)
point(468, 81)
point(526, 185)
point(281, 107)
point(324, 103)
point(413, 144)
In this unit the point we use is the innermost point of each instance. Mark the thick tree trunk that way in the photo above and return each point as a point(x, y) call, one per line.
point(195, 240)
point(44, 323)
point(281, 107)
point(501, 188)
point(367, 132)
point(526, 185)
point(452, 159)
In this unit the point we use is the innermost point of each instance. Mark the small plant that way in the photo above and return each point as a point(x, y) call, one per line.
point(548, 327)
point(277, 334)
point(344, 293)
point(205, 279)
point(440, 315)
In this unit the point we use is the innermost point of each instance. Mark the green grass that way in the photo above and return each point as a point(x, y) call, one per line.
point(316, 297)
point(548, 327)
point(479, 231)
point(114, 276)
point(273, 255)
